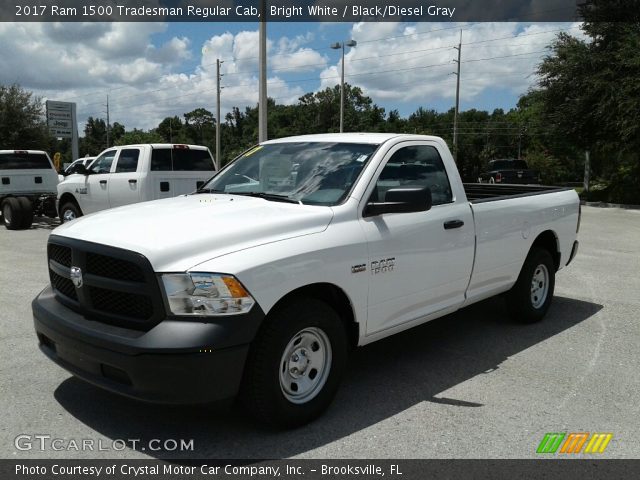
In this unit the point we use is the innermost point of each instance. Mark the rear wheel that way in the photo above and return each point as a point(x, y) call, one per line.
point(12, 213)
point(531, 296)
point(295, 364)
point(69, 211)
point(27, 212)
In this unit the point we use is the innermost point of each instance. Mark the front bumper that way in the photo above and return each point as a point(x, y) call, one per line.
point(177, 361)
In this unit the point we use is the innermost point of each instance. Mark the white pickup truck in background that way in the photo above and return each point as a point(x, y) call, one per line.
point(134, 173)
point(28, 182)
point(302, 248)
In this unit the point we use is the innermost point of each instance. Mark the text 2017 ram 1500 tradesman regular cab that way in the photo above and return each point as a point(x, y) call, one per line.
point(301, 248)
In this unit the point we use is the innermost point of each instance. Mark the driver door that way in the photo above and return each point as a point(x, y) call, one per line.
point(418, 264)
point(97, 183)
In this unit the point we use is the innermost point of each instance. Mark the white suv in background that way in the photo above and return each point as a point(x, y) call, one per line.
point(134, 173)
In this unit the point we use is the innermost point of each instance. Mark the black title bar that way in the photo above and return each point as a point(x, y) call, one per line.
point(287, 10)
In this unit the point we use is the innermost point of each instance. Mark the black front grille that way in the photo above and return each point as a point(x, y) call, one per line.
point(63, 285)
point(60, 254)
point(115, 268)
point(119, 287)
point(121, 303)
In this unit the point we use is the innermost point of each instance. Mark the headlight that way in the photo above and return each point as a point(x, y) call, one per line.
point(206, 294)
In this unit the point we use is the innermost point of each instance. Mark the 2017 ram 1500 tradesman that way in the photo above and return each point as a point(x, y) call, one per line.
point(300, 249)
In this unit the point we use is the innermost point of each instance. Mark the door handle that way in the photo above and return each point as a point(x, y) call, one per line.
point(448, 225)
point(103, 182)
point(133, 180)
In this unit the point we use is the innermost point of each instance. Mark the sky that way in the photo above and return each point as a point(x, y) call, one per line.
point(153, 70)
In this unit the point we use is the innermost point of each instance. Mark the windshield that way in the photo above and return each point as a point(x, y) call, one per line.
point(317, 173)
point(24, 161)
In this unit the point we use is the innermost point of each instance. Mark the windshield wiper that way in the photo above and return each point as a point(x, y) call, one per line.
point(209, 190)
point(269, 196)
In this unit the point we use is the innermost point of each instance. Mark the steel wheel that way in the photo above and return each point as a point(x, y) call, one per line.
point(68, 215)
point(539, 286)
point(7, 214)
point(305, 365)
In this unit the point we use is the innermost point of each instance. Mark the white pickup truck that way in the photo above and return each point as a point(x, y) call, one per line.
point(131, 174)
point(28, 182)
point(342, 240)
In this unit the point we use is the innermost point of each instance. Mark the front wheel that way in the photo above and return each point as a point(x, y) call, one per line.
point(295, 364)
point(69, 211)
point(530, 297)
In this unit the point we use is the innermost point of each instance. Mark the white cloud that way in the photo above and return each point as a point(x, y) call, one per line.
point(406, 63)
point(146, 79)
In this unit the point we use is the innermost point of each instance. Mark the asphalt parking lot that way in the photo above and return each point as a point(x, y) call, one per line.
point(470, 385)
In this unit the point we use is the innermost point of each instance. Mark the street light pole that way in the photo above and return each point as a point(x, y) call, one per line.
point(262, 83)
point(337, 46)
point(218, 158)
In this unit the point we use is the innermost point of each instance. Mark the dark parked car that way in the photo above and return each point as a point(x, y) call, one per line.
point(509, 170)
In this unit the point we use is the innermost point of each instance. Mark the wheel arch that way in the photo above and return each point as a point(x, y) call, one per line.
point(67, 197)
point(548, 240)
point(333, 296)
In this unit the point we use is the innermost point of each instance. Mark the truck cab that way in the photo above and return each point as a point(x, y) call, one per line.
point(134, 173)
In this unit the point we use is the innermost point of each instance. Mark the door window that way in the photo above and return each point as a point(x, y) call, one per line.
point(414, 166)
point(128, 161)
point(102, 164)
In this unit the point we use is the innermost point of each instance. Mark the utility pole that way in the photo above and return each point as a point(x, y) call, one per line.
point(342, 93)
point(520, 143)
point(107, 121)
point(218, 88)
point(262, 87)
point(587, 171)
point(455, 115)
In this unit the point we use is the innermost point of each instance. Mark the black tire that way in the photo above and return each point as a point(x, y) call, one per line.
point(262, 391)
point(27, 213)
point(71, 207)
point(12, 213)
point(526, 304)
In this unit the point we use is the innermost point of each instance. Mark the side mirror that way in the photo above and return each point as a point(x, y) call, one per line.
point(81, 169)
point(401, 200)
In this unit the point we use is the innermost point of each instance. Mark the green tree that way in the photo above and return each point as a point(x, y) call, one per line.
point(591, 94)
point(200, 125)
point(95, 137)
point(139, 136)
point(22, 124)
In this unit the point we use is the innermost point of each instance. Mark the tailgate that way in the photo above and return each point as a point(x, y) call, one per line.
point(519, 176)
point(172, 184)
point(28, 181)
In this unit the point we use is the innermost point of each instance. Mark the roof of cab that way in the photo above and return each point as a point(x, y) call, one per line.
point(25, 150)
point(371, 138)
point(161, 145)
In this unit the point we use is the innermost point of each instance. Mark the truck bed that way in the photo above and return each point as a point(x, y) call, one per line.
point(490, 192)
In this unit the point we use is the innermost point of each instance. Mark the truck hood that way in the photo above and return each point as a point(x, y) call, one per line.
point(178, 233)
